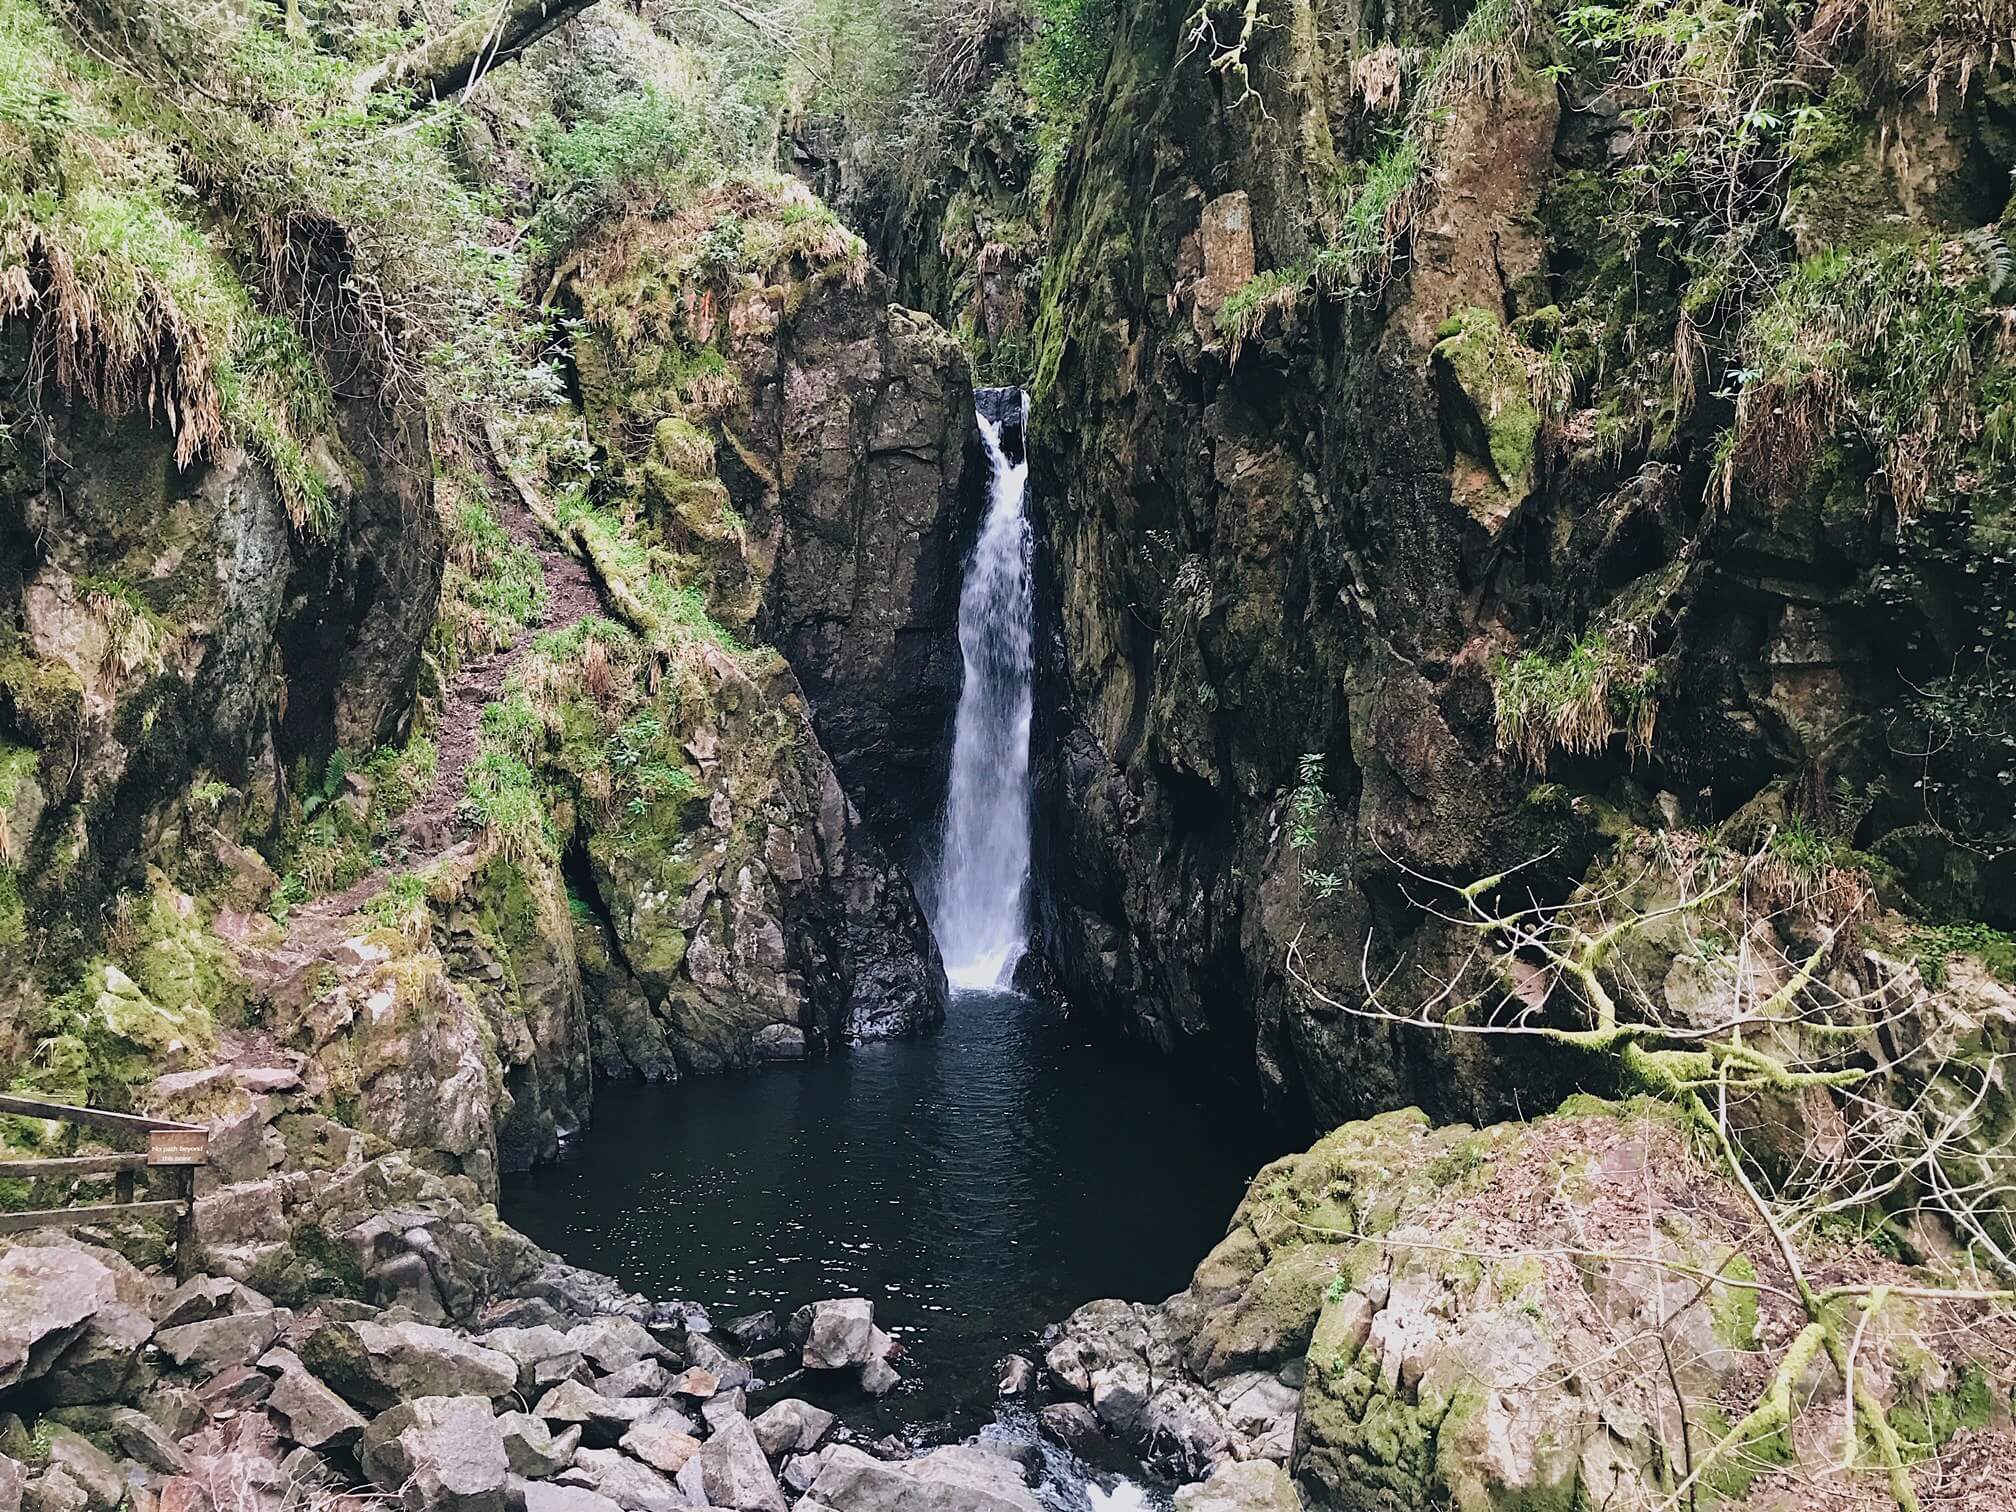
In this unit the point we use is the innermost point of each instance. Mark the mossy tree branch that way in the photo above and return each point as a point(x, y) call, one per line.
point(461, 55)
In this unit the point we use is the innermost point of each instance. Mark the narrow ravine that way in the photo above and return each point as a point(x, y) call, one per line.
point(976, 1185)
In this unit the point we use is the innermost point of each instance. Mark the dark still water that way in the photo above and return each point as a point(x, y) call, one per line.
point(977, 1185)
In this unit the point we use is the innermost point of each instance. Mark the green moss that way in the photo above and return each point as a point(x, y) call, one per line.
point(311, 1267)
point(1490, 369)
point(1733, 1309)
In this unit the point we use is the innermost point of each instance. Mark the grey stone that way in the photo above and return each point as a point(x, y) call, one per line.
point(735, 1473)
point(132, 1433)
point(103, 1361)
point(603, 1420)
point(963, 1478)
point(47, 1294)
point(311, 1414)
point(542, 1496)
point(230, 1339)
point(199, 1299)
point(647, 1378)
point(1242, 1486)
point(376, 1365)
point(634, 1487)
point(530, 1348)
point(799, 1471)
point(89, 1466)
point(54, 1491)
point(879, 1378)
point(719, 1409)
point(234, 1216)
point(837, 1334)
point(1014, 1377)
point(441, 1453)
point(176, 1408)
point(664, 1441)
point(234, 1390)
point(1073, 1425)
point(791, 1427)
point(613, 1342)
point(728, 1371)
point(534, 1450)
point(12, 1478)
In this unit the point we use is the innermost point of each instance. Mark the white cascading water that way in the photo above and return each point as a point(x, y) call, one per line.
point(983, 876)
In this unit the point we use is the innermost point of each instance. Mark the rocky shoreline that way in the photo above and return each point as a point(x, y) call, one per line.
point(121, 1389)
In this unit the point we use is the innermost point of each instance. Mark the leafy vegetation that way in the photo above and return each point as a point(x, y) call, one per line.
point(1575, 702)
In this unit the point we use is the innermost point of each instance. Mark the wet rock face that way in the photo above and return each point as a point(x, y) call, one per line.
point(1266, 665)
point(1284, 552)
point(1407, 1316)
point(876, 493)
point(159, 619)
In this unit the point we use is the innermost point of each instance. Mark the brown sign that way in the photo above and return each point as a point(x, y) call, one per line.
point(178, 1147)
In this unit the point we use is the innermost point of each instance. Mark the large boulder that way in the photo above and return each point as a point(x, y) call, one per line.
point(735, 1473)
point(835, 1334)
point(104, 1362)
point(962, 1478)
point(47, 1296)
point(310, 1414)
point(439, 1454)
point(218, 1343)
point(377, 1365)
point(791, 1427)
point(1242, 1486)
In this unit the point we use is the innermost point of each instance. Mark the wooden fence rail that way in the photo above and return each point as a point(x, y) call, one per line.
point(176, 1148)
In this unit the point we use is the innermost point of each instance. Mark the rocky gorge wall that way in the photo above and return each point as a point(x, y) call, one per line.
point(1409, 508)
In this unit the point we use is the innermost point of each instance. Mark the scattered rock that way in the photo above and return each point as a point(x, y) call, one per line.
point(602, 1420)
point(234, 1390)
point(791, 1427)
point(613, 1343)
point(696, 1383)
point(533, 1449)
point(1014, 1377)
point(134, 1434)
point(633, 1486)
point(311, 1414)
point(879, 1378)
point(754, 1331)
point(542, 1496)
point(102, 1363)
point(647, 1378)
point(220, 1342)
point(720, 1409)
point(54, 1491)
point(664, 1441)
point(735, 1473)
point(728, 1371)
point(203, 1298)
point(1242, 1486)
point(377, 1365)
point(47, 1294)
point(445, 1453)
point(1072, 1425)
point(963, 1478)
point(90, 1467)
point(835, 1334)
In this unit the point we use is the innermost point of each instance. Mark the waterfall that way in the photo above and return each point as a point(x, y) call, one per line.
point(983, 879)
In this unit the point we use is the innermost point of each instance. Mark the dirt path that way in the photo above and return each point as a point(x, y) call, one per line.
point(431, 826)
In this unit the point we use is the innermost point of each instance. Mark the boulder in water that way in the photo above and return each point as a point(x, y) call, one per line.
point(962, 1478)
point(1242, 1486)
point(835, 1334)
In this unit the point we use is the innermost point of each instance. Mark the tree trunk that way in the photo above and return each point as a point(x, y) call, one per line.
point(450, 61)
